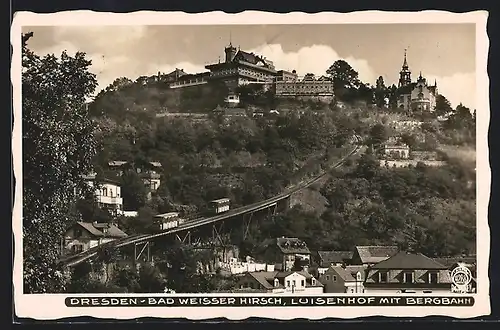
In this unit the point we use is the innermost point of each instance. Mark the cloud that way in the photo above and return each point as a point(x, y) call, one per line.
point(314, 59)
point(457, 88)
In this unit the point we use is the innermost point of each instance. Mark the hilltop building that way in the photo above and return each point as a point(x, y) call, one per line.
point(415, 96)
point(240, 68)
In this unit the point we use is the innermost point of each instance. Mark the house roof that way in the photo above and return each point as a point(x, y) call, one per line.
point(343, 273)
point(117, 163)
point(375, 254)
point(354, 269)
point(264, 278)
point(155, 164)
point(97, 229)
point(328, 257)
point(407, 260)
point(292, 245)
point(281, 275)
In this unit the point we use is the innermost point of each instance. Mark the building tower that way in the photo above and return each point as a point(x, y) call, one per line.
point(230, 51)
point(404, 74)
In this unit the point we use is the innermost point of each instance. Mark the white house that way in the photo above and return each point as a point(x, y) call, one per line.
point(108, 194)
point(290, 282)
point(85, 235)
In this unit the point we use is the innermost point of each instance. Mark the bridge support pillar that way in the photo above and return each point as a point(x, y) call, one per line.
point(142, 251)
point(247, 220)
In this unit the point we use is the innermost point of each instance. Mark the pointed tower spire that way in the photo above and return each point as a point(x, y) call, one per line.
point(435, 83)
point(405, 63)
point(230, 39)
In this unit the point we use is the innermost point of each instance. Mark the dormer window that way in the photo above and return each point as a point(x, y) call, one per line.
point(276, 282)
point(382, 277)
point(433, 277)
point(408, 277)
point(358, 276)
point(313, 281)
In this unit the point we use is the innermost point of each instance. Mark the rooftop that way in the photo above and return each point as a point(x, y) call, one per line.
point(292, 245)
point(375, 254)
point(408, 260)
point(102, 229)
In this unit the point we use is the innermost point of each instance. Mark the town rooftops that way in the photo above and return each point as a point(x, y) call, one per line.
point(407, 260)
point(292, 245)
point(93, 177)
point(101, 229)
point(329, 257)
point(119, 163)
point(375, 254)
point(266, 279)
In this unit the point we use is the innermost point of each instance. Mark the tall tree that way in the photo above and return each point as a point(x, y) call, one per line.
point(381, 92)
point(443, 106)
point(58, 147)
point(344, 78)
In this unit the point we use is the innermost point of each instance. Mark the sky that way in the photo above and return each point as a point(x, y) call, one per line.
point(442, 52)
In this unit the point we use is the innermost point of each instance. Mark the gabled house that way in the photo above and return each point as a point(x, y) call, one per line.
point(289, 282)
point(407, 272)
point(325, 259)
point(286, 252)
point(148, 171)
point(107, 193)
point(82, 236)
point(370, 255)
point(338, 279)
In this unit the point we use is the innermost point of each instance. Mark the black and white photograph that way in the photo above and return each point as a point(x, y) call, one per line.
point(188, 160)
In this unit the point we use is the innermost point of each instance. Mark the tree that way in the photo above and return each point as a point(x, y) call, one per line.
point(380, 92)
point(378, 135)
point(134, 191)
point(58, 147)
point(344, 78)
point(443, 106)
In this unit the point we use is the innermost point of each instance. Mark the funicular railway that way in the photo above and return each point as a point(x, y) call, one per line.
point(192, 223)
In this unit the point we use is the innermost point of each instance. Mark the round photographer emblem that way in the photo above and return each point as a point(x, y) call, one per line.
point(461, 277)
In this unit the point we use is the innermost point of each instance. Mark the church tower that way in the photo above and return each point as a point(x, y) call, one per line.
point(404, 74)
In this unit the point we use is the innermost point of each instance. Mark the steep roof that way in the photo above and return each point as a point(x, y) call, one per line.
point(98, 229)
point(343, 273)
point(264, 278)
point(406, 260)
point(292, 245)
point(375, 254)
point(328, 257)
point(353, 270)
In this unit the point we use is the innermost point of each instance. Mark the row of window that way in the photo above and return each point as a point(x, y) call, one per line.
point(104, 192)
point(409, 277)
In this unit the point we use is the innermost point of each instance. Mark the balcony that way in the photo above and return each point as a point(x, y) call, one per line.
point(110, 200)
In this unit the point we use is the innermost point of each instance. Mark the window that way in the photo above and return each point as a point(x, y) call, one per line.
point(358, 276)
point(302, 283)
point(408, 277)
point(288, 284)
point(294, 284)
point(327, 277)
point(313, 281)
point(334, 278)
point(276, 282)
point(104, 191)
point(433, 277)
point(382, 277)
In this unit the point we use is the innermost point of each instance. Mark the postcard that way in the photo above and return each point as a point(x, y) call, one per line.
point(256, 164)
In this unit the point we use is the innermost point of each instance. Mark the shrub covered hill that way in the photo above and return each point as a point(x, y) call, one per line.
point(248, 159)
